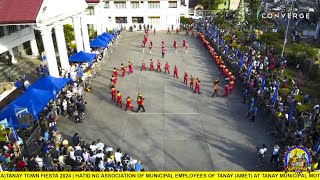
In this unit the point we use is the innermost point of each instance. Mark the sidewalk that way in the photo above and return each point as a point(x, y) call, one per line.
point(23, 66)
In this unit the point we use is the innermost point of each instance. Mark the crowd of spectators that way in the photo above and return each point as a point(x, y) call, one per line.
point(260, 74)
point(56, 153)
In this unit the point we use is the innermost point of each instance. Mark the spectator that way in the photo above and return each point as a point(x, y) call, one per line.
point(261, 154)
point(138, 167)
point(275, 153)
point(76, 139)
point(118, 155)
point(18, 84)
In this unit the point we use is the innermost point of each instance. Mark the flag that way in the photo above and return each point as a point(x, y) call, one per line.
point(54, 95)
point(222, 41)
point(275, 95)
point(242, 60)
point(35, 115)
point(260, 9)
point(13, 131)
point(215, 33)
point(264, 79)
point(291, 110)
point(250, 70)
point(237, 52)
point(227, 49)
point(234, 57)
point(80, 71)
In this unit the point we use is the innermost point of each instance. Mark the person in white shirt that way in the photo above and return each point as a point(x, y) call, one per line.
point(71, 154)
point(26, 83)
point(64, 106)
point(101, 165)
point(39, 160)
point(118, 155)
point(93, 147)
point(99, 145)
point(85, 156)
point(93, 159)
point(261, 154)
point(100, 154)
point(275, 153)
point(77, 147)
point(109, 149)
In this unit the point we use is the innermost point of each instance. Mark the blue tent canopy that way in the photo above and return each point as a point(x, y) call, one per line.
point(104, 38)
point(34, 100)
point(99, 43)
point(82, 57)
point(49, 83)
point(108, 35)
point(37, 96)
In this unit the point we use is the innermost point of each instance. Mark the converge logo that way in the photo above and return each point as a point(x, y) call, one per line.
point(285, 15)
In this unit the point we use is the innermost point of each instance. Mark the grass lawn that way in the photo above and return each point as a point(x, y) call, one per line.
point(309, 86)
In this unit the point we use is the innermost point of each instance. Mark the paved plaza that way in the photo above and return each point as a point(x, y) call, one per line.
point(180, 130)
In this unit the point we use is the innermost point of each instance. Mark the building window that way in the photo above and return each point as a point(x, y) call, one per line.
point(23, 26)
point(135, 4)
point(154, 4)
point(154, 20)
point(121, 19)
point(137, 20)
point(173, 4)
point(90, 10)
point(106, 4)
point(183, 2)
point(2, 32)
point(12, 29)
point(120, 5)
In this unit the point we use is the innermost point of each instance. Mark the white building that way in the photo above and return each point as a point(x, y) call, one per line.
point(20, 18)
point(109, 14)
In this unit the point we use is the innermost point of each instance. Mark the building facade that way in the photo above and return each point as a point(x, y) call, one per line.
point(161, 14)
point(21, 18)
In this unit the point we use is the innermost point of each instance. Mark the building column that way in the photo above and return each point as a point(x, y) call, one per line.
point(46, 35)
point(145, 21)
point(77, 33)
point(21, 50)
point(62, 48)
point(98, 26)
point(33, 43)
point(34, 47)
point(13, 60)
point(129, 21)
point(97, 13)
point(85, 36)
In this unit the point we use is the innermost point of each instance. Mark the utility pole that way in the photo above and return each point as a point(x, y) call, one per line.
point(242, 13)
point(286, 34)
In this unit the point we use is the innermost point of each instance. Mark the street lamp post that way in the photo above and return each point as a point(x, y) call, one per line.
point(287, 28)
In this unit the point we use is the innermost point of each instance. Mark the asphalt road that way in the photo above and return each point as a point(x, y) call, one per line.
point(180, 130)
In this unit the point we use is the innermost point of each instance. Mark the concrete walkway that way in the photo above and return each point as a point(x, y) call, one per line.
point(180, 130)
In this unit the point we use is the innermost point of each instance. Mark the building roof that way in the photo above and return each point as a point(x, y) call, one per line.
point(92, 1)
point(19, 11)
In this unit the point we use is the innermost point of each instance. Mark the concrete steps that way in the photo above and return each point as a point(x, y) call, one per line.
point(23, 66)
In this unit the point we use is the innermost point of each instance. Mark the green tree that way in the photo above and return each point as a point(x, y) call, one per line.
point(3, 134)
point(92, 33)
point(184, 20)
point(253, 6)
point(210, 4)
point(241, 17)
point(68, 33)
